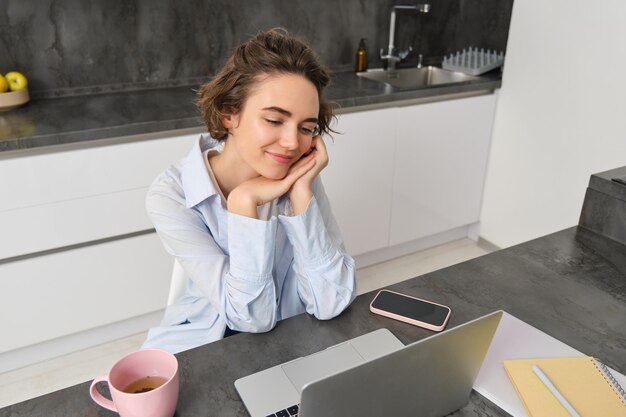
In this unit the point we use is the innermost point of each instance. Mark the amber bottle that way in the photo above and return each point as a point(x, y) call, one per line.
point(361, 57)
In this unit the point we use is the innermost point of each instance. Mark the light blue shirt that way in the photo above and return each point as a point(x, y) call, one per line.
point(241, 272)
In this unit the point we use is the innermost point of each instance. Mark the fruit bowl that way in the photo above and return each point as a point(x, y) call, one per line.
point(13, 99)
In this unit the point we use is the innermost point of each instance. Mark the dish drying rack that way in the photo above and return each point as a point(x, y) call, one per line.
point(473, 61)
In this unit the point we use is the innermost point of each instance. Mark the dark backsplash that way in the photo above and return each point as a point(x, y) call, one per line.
point(69, 47)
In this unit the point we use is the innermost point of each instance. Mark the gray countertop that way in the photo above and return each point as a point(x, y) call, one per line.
point(570, 284)
point(56, 121)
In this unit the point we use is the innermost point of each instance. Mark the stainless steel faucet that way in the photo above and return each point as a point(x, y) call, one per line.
point(392, 56)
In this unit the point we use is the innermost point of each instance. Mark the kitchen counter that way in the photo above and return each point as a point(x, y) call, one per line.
point(81, 119)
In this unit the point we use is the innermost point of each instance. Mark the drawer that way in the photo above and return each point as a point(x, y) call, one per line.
point(56, 295)
point(54, 225)
point(40, 179)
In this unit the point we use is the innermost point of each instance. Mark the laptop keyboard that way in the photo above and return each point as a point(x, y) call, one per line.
point(287, 412)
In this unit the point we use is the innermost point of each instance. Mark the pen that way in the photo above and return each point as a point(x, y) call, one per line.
point(544, 378)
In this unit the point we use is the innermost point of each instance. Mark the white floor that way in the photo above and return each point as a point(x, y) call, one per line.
point(52, 375)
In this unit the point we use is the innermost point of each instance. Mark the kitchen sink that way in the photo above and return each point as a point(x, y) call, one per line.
point(411, 78)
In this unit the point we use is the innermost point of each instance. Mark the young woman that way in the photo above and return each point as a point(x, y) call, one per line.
point(245, 213)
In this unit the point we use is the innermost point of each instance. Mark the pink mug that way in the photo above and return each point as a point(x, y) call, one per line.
point(142, 383)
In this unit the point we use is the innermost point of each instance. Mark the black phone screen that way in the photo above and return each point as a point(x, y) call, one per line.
point(410, 307)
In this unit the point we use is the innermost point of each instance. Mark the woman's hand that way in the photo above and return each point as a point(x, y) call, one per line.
point(244, 199)
point(301, 193)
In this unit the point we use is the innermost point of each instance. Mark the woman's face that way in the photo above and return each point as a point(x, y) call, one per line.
point(276, 125)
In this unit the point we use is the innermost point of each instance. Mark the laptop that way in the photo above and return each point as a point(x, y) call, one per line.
point(375, 375)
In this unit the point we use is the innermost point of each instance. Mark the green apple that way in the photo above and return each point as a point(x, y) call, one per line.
point(4, 84)
point(16, 80)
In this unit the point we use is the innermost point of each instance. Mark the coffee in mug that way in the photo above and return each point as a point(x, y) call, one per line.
point(145, 384)
point(142, 383)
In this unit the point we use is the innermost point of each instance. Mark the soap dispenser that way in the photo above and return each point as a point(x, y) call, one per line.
point(361, 57)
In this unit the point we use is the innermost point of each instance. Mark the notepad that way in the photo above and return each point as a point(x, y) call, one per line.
point(585, 382)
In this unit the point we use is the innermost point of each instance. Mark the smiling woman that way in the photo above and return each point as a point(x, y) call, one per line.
point(245, 213)
point(269, 137)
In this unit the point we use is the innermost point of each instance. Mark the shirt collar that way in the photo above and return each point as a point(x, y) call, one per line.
point(197, 183)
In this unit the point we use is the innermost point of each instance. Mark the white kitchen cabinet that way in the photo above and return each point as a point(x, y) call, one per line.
point(65, 223)
point(439, 167)
point(358, 179)
point(65, 198)
point(400, 174)
point(77, 250)
point(65, 175)
point(56, 295)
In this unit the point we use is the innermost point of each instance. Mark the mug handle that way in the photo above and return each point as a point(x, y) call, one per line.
point(99, 398)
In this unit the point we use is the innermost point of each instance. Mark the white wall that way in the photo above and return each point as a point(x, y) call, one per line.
point(560, 116)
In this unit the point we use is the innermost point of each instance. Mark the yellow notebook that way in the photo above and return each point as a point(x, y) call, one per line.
point(585, 382)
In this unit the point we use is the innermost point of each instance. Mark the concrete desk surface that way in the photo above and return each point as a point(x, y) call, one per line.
point(570, 284)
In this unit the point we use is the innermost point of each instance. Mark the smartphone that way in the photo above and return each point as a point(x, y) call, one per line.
point(412, 310)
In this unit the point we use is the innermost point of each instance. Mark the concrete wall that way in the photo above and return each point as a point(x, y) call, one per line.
point(68, 47)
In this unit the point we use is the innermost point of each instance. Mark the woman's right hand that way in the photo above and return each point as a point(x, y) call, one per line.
point(245, 198)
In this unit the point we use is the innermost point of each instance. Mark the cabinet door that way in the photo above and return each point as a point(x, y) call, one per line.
point(68, 175)
point(358, 178)
point(440, 165)
point(60, 199)
point(59, 294)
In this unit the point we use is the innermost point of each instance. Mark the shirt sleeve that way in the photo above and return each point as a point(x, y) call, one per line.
point(325, 272)
point(239, 285)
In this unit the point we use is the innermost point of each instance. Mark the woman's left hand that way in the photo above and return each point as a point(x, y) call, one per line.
point(301, 193)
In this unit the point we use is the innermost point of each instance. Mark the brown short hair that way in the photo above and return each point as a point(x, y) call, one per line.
point(271, 52)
